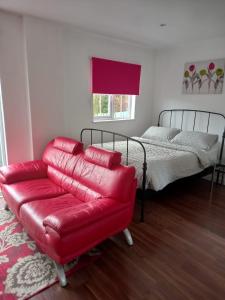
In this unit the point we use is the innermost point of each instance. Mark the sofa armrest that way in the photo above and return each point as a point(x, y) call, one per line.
point(23, 171)
point(68, 219)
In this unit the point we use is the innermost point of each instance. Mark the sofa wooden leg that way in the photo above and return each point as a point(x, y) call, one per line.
point(6, 207)
point(61, 274)
point(128, 237)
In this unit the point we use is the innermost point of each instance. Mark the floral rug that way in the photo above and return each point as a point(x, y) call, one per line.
point(24, 271)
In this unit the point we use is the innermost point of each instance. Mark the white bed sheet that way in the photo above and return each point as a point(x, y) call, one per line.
point(166, 162)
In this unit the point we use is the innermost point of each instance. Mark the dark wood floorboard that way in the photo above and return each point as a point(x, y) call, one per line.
point(178, 253)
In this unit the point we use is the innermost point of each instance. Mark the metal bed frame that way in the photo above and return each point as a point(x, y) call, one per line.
point(144, 165)
point(209, 113)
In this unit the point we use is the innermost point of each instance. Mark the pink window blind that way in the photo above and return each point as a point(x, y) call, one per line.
point(115, 77)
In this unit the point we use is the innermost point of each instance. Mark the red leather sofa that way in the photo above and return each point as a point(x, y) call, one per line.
point(72, 199)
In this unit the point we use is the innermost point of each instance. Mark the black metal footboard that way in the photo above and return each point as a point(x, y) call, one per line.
point(127, 139)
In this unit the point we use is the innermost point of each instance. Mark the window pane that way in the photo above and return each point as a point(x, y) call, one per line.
point(96, 107)
point(104, 104)
point(101, 106)
point(125, 106)
point(116, 103)
point(113, 107)
point(121, 106)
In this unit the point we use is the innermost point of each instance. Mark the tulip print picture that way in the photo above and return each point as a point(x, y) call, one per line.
point(204, 77)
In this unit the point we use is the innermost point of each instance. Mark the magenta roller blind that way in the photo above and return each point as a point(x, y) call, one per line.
point(115, 77)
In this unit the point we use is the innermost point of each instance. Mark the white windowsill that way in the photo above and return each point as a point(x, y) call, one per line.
point(117, 120)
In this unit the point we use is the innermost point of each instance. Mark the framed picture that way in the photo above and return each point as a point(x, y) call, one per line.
point(204, 77)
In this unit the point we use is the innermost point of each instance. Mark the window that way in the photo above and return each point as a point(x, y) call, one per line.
point(115, 85)
point(113, 107)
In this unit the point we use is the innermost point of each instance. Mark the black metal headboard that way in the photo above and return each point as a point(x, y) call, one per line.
point(209, 115)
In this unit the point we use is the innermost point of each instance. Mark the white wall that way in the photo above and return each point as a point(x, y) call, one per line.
point(60, 80)
point(46, 75)
point(44, 49)
point(79, 48)
point(14, 88)
point(169, 69)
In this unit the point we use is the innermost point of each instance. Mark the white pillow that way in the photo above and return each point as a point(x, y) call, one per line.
point(160, 133)
point(195, 139)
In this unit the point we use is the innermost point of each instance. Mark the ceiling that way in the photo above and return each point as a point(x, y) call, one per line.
point(133, 20)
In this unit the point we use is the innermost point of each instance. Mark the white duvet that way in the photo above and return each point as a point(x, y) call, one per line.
point(166, 162)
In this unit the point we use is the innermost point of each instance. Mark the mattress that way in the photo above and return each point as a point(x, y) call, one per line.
point(166, 162)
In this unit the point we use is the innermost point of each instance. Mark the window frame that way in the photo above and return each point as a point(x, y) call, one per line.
point(131, 109)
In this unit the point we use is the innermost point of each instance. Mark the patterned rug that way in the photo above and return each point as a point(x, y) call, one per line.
point(24, 271)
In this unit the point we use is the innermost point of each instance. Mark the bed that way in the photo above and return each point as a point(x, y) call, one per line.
point(160, 162)
point(166, 163)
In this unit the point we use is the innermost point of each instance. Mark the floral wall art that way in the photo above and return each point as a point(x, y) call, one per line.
point(204, 77)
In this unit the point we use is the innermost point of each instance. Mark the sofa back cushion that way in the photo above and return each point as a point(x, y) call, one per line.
point(89, 175)
point(102, 157)
point(67, 145)
point(100, 170)
point(62, 156)
point(73, 186)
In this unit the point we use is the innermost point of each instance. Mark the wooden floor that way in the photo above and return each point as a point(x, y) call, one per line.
point(178, 253)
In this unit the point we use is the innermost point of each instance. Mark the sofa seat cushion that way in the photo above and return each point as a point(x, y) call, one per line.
point(83, 215)
point(63, 246)
point(26, 191)
point(33, 213)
